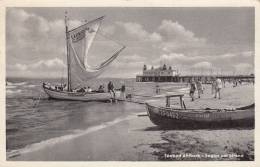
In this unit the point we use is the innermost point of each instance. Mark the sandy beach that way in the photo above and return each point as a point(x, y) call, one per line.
point(135, 138)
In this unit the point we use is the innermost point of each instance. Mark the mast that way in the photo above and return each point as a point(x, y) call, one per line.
point(68, 56)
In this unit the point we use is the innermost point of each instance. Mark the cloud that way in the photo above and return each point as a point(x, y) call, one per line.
point(51, 63)
point(175, 36)
point(227, 55)
point(39, 66)
point(17, 66)
point(244, 68)
point(131, 58)
point(108, 30)
point(33, 37)
point(129, 61)
point(203, 65)
point(177, 58)
point(247, 54)
point(135, 30)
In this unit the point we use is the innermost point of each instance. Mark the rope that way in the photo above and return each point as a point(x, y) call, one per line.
point(37, 103)
point(110, 39)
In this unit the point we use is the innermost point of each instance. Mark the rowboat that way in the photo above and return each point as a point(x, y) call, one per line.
point(180, 117)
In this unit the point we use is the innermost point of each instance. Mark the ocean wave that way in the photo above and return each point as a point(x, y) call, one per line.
point(15, 83)
point(10, 92)
point(76, 133)
point(31, 86)
point(10, 86)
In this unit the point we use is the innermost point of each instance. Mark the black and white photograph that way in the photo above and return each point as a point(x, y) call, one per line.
point(147, 83)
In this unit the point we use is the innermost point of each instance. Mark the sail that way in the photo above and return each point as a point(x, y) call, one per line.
point(80, 40)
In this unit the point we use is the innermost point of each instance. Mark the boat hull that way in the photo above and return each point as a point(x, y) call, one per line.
point(62, 95)
point(190, 119)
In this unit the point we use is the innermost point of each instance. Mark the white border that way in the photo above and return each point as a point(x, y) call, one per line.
point(125, 3)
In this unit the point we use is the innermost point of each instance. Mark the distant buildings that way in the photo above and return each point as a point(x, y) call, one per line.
point(167, 74)
point(160, 74)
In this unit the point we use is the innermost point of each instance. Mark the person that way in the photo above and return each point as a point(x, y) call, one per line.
point(213, 86)
point(65, 87)
point(44, 85)
point(157, 89)
point(101, 89)
point(218, 88)
point(192, 89)
point(81, 90)
point(122, 91)
point(199, 87)
point(89, 89)
point(110, 88)
point(240, 82)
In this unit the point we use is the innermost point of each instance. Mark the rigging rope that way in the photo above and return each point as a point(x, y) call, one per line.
point(103, 35)
point(37, 103)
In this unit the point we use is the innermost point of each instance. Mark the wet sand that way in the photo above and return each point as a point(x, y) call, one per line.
point(137, 139)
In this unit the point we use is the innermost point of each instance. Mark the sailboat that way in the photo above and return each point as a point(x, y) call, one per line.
point(78, 43)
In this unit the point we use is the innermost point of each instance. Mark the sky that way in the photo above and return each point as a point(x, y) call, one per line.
point(193, 40)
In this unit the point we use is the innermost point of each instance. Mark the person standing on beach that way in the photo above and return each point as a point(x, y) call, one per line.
point(122, 92)
point(218, 88)
point(213, 86)
point(157, 89)
point(110, 88)
point(192, 89)
point(199, 87)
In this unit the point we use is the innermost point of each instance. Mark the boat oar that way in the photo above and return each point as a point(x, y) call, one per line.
point(142, 115)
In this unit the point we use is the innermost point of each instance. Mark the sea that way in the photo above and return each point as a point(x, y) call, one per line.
point(33, 120)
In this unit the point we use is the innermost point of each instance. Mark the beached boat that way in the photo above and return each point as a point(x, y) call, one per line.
point(174, 117)
point(79, 41)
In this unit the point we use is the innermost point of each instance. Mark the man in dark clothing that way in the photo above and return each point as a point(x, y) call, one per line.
point(192, 89)
point(110, 88)
point(122, 94)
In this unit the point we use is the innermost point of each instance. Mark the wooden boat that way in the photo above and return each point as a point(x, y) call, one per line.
point(77, 96)
point(79, 41)
point(173, 117)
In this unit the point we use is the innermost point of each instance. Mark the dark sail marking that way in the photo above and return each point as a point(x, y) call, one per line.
point(78, 36)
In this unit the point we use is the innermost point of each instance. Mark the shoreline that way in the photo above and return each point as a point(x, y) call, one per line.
point(137, 139)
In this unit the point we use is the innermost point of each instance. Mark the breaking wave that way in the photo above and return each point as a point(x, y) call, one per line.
point(10, 92)
point(11, 86)
point(15, 83)
point(31, 86)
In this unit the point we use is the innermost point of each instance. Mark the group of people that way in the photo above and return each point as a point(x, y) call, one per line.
point(101, 89)
point(55, 87)
point(111, 90)
point(84, 89)
point(215, 89)
point(196, 86)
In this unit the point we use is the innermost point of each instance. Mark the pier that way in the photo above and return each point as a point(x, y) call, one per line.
point(187, 78)
point(169, 74)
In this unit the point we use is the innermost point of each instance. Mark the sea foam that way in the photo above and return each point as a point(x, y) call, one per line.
point(15, 83)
